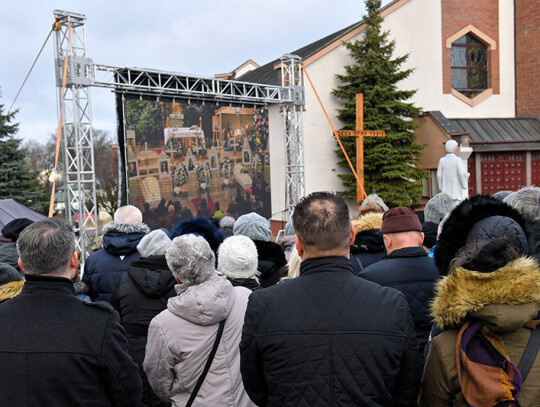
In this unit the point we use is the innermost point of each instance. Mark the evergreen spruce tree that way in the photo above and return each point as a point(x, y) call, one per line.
point(16, 180)
point(389, 162)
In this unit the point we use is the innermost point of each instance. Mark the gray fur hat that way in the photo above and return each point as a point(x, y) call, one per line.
point(438, 207)
point(237, 257)
point(154, 243)
point(527, 203)
point(253, 226)
point(8, 274)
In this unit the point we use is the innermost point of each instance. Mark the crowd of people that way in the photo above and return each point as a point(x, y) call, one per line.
point(378, 310)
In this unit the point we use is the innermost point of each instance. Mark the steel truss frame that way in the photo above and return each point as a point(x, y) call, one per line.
point(77, 127)
point(75, 109)
point(291, 112)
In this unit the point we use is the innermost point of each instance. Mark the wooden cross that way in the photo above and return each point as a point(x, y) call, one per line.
point(359, 133)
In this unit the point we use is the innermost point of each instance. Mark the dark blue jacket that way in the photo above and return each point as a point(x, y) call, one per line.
point(56, 350)
point(412, 272)
point(328, 338)
point(104, 268)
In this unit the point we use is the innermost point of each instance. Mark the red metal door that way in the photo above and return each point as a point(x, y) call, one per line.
point(503, 171)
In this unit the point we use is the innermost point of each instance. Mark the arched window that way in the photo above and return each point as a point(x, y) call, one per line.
point(469, 65)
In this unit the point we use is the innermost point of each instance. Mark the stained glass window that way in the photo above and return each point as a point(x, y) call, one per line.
point(469, 61)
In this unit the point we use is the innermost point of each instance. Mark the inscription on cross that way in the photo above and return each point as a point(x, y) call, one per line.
point(360, 133)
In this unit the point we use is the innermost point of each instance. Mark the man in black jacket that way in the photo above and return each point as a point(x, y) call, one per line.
point(328, 338)
point(406, 267)
point(56, 350)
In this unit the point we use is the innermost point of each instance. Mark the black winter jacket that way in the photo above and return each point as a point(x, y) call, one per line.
point(271, 260)
point(104, 268)
point(412, 272)
point(329, 338)
point(142, 294)
point(56, 350)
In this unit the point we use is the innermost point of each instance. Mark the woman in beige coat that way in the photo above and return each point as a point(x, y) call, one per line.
point(181, 337)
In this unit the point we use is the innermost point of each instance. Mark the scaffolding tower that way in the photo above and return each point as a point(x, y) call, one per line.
point(291, 112)
point(74, 108)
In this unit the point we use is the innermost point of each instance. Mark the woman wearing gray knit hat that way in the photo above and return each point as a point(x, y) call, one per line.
point(237, 260)
point(142, 294)
point(271, 255)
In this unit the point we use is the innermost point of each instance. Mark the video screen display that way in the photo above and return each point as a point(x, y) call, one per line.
point(187, 159)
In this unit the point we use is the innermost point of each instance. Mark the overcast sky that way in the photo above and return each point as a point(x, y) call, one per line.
point(200, 37)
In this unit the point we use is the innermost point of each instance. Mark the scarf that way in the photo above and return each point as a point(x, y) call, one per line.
point(486, 374)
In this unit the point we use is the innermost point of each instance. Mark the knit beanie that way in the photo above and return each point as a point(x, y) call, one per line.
point(437, 207)
point(253, 226)
point(154, 243)
point(237, 257)
point(8, 274)
point(400, 219)
point(13, 229)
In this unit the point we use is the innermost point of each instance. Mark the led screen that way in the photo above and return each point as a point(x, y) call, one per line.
point(190, 158)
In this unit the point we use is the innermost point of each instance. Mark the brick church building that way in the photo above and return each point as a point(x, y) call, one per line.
point(477, 75)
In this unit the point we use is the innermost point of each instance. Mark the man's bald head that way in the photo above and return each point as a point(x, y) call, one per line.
point(321, 221)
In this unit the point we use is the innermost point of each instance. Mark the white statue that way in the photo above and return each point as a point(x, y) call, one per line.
point(451, 175)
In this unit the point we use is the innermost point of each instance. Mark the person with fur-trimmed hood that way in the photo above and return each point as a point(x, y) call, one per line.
point(368, 246)
point(486, 306)
point(104, 268)
point(142, 294)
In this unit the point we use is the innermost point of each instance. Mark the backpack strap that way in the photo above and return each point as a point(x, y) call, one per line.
point(207, 366)
point(529, 355)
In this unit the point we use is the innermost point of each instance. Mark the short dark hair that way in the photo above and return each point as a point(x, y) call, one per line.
point(322, 222)
point(46, 246)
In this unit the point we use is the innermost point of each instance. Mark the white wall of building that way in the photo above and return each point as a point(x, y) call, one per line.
point(417, 28)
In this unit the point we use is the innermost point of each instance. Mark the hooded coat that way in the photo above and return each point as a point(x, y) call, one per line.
point(104, 268)
point(181, 338)
point(368, 246)
point(271, 260)
point(141, 295)
point(505, 300)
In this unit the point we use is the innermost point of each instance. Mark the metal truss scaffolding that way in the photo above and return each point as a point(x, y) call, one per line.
point(74, 106)
point(291, 111)
point(75, 109)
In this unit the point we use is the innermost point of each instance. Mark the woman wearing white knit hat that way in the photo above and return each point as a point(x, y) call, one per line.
point(237, 260)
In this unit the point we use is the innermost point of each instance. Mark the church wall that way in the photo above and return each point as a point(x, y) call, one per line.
point(425, 44)
point(527, 51)
point(319, 142)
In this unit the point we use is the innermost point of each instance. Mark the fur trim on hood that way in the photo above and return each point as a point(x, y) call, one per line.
point(460, 222)
point(371, 220)
point(126, 228)
point(464, 291)
point(11, 289)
